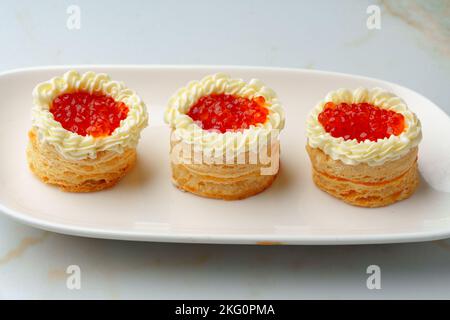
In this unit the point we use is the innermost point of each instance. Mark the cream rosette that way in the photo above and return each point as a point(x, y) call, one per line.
point(76, 147)
point(373, 153)
point(216, 144)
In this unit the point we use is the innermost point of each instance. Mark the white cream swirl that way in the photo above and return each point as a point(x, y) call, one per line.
point(191, 133)
point(76, 147)
point(372, 153)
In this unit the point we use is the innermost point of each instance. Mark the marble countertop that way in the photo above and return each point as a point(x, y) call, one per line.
point(411, 48)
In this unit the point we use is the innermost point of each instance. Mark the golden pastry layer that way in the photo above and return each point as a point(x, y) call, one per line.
point(84, 175)
point(225, 181)
point(365, 185)
point(206, 185)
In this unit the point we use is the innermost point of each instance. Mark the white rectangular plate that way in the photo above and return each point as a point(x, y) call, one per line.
point(146, 206)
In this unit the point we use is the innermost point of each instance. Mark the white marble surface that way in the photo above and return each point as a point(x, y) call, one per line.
point(412, 48)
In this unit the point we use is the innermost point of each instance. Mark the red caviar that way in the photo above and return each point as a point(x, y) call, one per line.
point(88, 114)
point(228, 112)
point(360, 121)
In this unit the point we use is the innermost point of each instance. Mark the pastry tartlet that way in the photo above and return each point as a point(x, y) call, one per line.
point(85, 129)
point(224, 137)
point(363, 147)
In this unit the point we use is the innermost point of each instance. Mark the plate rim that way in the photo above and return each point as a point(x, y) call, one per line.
point(258, 239)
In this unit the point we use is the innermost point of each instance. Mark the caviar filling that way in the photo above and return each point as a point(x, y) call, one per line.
point(224, 112)
point(360, 121)
point(85, 113)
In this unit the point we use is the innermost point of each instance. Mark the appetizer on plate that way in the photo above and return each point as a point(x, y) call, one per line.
point(224, 137)
point(85, 129)
point(363, 146)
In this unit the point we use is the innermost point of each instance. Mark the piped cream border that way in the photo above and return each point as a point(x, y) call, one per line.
point(76, 147)
point(373, 153)
point(185, 129)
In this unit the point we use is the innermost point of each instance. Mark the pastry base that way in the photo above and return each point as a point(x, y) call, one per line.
point(221, 180)
point(364, 185)
point(200, 180)
point(85, 175)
